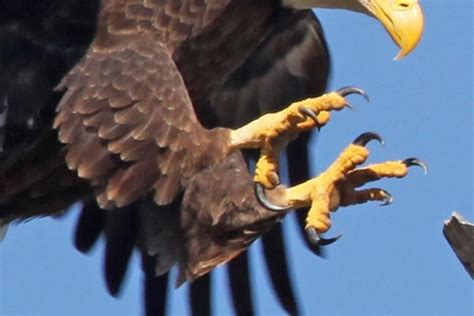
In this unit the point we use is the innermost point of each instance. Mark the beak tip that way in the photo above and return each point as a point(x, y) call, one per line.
point(399, 57)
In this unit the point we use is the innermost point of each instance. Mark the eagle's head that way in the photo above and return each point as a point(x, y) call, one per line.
point(403, 19)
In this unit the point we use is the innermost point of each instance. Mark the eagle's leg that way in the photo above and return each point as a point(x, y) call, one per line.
point(337, 187)
point(272, 132)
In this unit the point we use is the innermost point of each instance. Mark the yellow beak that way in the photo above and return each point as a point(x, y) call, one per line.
point(403, 20)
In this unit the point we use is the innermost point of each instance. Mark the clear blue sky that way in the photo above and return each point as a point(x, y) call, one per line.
point(391, 261)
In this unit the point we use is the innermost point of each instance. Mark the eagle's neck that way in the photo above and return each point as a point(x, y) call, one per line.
point(351, 5)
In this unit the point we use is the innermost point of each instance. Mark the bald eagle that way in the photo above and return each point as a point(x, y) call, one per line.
point(156, 101)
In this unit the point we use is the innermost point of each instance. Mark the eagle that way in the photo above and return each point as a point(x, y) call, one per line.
point(148, 111)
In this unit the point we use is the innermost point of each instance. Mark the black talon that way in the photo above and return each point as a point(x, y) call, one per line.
point(310, 113)
point(415, 162)
point(316, 240)
point(365, 138)
point(262, 199)
point(343, 92)
point(348, 105)
point(388, 199)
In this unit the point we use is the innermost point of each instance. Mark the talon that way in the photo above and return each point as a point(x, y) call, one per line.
point(388, 199)
point(415, 162)
point(365, 138)
point(343, 92)
point(316, 240)
point(348, 105)
point(310, 113)
point(262, 199)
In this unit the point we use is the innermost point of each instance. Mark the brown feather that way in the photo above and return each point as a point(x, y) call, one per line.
point(133, 140)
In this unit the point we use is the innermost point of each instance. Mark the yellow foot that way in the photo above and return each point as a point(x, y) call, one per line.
point(337, 187)
point(272, 132)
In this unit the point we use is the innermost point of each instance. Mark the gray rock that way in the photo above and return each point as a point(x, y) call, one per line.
point(460, 235)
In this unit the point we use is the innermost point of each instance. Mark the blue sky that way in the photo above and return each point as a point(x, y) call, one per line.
point(391, 261)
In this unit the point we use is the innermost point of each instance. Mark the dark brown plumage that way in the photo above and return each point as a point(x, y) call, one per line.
point(128, 122)
point(139, 120)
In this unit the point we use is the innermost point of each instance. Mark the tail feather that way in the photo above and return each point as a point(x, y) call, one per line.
point(241, 290)
point(120, 234)
point(275, 258)
point(89, 226)
point(200, 296)
point(155, 288)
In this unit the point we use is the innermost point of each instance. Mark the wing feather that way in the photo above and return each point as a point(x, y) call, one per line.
point(293, 57)
point(135, 119)
point(240, 287)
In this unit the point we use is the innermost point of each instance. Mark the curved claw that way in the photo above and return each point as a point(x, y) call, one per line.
point(310, 113)
point(262, 199)
point(316, 240)
point(416, 162)
point(365, 138)
point(345, 91)
point(388, 199)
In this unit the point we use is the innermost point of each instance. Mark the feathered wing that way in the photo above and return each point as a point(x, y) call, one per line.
point(153, 284)
point(129, 126)
point(295, 59)
point(31, 158)
point(290, 64)
point(130, 129)
point(305, 65)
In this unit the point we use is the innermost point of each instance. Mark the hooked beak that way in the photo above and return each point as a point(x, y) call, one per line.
point(403, 20)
